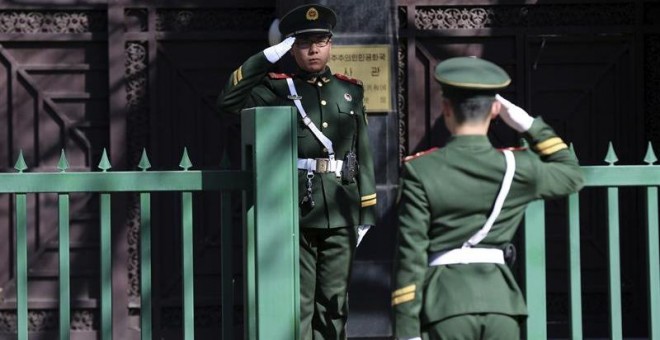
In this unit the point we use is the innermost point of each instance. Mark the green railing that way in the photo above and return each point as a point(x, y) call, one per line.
point(610, 177)
point(268, 180)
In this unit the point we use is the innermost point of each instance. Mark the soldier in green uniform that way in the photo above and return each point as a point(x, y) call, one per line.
point(461, 204)
point(336, 182)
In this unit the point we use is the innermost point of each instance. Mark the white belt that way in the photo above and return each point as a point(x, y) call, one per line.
point(467, 255)
point(320, 165)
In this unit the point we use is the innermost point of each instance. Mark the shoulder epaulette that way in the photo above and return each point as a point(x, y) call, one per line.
point(550, 146)
point(274, 75)
point(516, 148)
point(344, 77)
point(419, 154)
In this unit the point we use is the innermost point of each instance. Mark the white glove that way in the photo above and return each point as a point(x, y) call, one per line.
point(362, 230)
point(514, 116)
point(274, 53)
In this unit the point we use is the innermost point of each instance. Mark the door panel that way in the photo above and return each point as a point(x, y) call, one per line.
point(590, 70)
point(122, 77)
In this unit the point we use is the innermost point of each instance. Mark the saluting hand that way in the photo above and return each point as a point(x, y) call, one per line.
point(515, 117)
point(276, 52)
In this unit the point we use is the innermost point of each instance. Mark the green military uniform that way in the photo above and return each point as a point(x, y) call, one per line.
point(446, 196)
point(334, 103)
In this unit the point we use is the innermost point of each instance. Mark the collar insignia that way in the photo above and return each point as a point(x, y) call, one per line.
point(348, 97)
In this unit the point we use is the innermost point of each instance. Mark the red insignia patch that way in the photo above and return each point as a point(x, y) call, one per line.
point(273, 75)
point(419, 154)
point(344, 77)
point(516, 148)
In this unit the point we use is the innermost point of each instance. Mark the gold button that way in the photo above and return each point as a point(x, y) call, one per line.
point(325, 124)
point(323, 102)
point(325, 150)
point(319, 84)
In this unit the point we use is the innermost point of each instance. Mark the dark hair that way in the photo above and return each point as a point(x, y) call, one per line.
point(471, 109)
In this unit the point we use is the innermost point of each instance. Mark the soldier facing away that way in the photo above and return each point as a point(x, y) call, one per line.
point(461, 204)
point(336, 183)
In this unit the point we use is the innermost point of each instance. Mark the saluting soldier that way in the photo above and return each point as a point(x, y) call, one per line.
point(336, 183)
point(461, 204)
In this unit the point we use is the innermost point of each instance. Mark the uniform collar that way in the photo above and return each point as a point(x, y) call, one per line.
point(312, 78)
point(469, 140)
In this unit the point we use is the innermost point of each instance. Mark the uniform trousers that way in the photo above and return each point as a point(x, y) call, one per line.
point(486, 326)
point(326, 257)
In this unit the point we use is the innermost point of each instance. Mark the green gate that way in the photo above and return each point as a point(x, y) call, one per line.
point(269, 183)
point(612, 178)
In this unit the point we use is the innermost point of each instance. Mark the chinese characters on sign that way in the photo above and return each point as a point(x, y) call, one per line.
point(371, 65)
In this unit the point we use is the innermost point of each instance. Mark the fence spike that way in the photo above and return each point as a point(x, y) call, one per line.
point(185, 160)
point(63, 164)
point(20, 162)
point(144, 161)
point(611, 157)
point(650, 157)
point(104, 164)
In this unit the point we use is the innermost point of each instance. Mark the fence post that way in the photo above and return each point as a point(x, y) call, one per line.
point(270, 142)
point(535, 290)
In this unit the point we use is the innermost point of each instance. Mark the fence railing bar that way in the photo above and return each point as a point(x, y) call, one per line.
point(227, 268)
point(575, 290)
point(106, 266)
point(614, 280)
point(188, 272)
point(145, 266)
point(64, 270)
point(653, 249)
point(21, 267)
point(535, 286)
point(635, 175)
point(125, 181)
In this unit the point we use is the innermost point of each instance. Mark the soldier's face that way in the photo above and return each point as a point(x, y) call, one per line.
point(312, 52)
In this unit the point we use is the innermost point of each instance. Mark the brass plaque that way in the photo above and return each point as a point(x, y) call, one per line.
point(371, 65)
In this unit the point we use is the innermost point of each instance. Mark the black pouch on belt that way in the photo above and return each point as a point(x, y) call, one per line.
point(349, 168)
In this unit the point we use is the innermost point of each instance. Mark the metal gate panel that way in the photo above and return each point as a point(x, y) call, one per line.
point(54, 80)
point(122, 75)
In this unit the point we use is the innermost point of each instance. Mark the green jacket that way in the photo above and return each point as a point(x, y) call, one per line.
point(335, 105)
point(446, 195)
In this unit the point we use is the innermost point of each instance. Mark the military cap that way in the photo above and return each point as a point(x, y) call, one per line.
point(308, 19)
point(470, 76)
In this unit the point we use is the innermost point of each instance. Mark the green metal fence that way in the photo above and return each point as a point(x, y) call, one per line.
point(268, 180)
point(612, 178)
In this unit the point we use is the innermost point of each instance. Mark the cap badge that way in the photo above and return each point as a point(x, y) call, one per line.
point(348, 97)
point(312, 14)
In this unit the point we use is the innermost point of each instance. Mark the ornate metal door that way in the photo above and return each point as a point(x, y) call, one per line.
point(123, 76)
point(589, 68)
